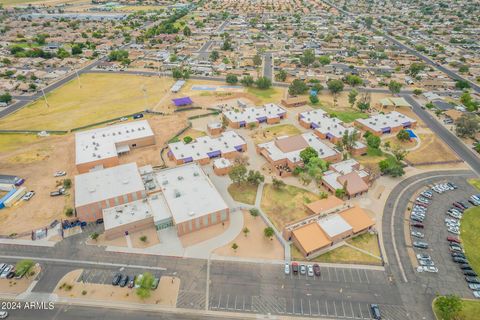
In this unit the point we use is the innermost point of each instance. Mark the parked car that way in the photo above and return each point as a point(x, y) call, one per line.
point(472, 279)
point(316, 269)
point(116, 279)
point(310, 272)
point(423, 256)
point(99, 221)
point(131, 283)
point(137, 281)
point(375, 312)
point(470, 273)
point(476, 294)
point(294, 267)
point(417, 225)
point(155, 283)
point(287, 268)
point(59, 174)
point(465, 267)
point(455, 248)
point(474, 286)
point(27, 196)
point(303, 269)
point(427, 269)
point(3, 314)
point(420, 244)
point(138, 116)
point(6, 271)
point(425, 262)
point(454, 239)
point(417, 234)
point(123, 281)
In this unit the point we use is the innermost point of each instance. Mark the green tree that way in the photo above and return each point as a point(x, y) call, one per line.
point(462, 85)
point(449, 306)
point(314, 99)
point(263, 83)
point(281, 75)
point(308, 57)
point(238, 173)
point(391, 166)
point(118, 55)
point(269, 232)
point(399, 153)
point(278, 183)
point(335, 87)
point(246, 231)
point(143, 239)
point(247, 81)
point(231, 78)
point(340, 193)
point(354, 80)
point(6, 97)
point(352, 97)
point(403, 135)
point(257, 60)
point(467, 126)
point(187, 32)
point(77, 49)
point(363, 106)
point(94, 236)
point(417, 92)
point(62, 53)
point(255, 177)
point(214, 55)
point(145, 284)
point(235, 247)
point(307, 154)
point(415, 69)
point(297, 87)
point(187, 139)
point(373, 141)
point(254, 212)
point(368, 22)
point(67, 183)
point(324, 60)
point(394, 87)
point(463, 69)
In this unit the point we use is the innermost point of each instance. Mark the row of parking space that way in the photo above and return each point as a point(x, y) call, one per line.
point(338, 309)
point(100, 276)
point(347, 275)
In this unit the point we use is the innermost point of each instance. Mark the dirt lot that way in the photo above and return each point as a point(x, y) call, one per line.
point(255, 244)
point(261, 135)
point(193, 238)
point(150, 233)
point(243, 192)
point(166, 293)
point(432, 146)
point(285, 205)
point(36, 162)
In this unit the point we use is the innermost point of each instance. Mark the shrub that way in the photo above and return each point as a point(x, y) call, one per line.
point(69, 212)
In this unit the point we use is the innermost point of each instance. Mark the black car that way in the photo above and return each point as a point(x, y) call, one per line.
point(316, 270)
point(472, 279)
point(417, 225)
point(459, 260)
point(116, 279)
point(452, 185)
point(458, 255)
point(473, 203)
point(465, 267)
point(470, 273)
point(99, 221)
point(463, 204)
point(138, 116)
point(123, 281)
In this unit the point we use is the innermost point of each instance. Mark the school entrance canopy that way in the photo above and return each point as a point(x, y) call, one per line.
point(180, 102)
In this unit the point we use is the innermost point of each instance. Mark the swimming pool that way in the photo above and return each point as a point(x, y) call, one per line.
point(411, 133)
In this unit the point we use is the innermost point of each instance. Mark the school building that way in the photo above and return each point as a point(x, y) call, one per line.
point(269, 113)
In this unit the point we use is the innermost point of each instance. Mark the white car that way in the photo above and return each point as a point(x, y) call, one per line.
point(6, 271)
point(3, 314)
point(27, 196)
point(287, 268)
point(476, 294)
point(59, 174)
point(427, 269)
point(310, 270)
point(123, 119)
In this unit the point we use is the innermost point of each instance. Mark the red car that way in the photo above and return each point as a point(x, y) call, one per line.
point(417, 225)
point(454, 239)
point(295, 267)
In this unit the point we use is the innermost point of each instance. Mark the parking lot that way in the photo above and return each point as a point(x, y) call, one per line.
point(100, 276)
point(449, 279)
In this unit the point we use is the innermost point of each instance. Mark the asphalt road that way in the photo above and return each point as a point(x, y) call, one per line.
point(268, 65)
point(417, 291)
point(450, 139)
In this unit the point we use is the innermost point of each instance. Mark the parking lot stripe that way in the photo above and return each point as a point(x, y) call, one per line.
point(335, 308)
point(366, 276)
point(343, 308)
point(301, 306)
point(219, 299)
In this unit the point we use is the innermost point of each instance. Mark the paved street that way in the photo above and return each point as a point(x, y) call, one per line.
point(268, 65)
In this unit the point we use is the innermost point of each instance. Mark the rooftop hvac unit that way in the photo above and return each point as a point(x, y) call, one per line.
point(117, 216)
point(103, 135)
point(196, 174)
point(177, 194)
point(191, 213)
point(180, 178)
point(98, 157)
point(125, 181)
point(119, 210)
point(165, 182)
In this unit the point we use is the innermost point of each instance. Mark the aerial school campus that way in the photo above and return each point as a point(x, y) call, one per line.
point(225, 173)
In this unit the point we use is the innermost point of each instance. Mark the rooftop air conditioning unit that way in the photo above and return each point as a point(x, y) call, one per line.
point(180, 178)
point(165, 182)
point(177, 194)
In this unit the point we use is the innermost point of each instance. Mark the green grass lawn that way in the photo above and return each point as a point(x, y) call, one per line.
point(266, 95)
point(243, 192)
point(475, 183)
point(342, 254)
point(10, 142)
point(470, 310)
point(367, 242)
point(470, 235)
point(349, 116)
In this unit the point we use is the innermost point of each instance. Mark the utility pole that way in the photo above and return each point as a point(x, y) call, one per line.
point(78, 77)
point(45, 97)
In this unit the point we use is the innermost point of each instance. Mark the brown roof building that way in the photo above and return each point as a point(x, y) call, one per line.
point(324, 205)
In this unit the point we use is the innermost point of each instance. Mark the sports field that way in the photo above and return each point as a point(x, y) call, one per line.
point(96, 98)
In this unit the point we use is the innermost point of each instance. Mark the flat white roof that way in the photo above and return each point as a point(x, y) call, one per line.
point(345, 166)
point(221, 163)
point(330, 177)
point(250, 114)
point(102, 143)
point(189, 193)
point(323, 123)
point(126, 213)
point(312, 140)
point(203, 146)
point(108, 183)
point(334, 225)
point(386, 121)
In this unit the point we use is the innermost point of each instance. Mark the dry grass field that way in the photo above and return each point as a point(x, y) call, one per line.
point(100, 97)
